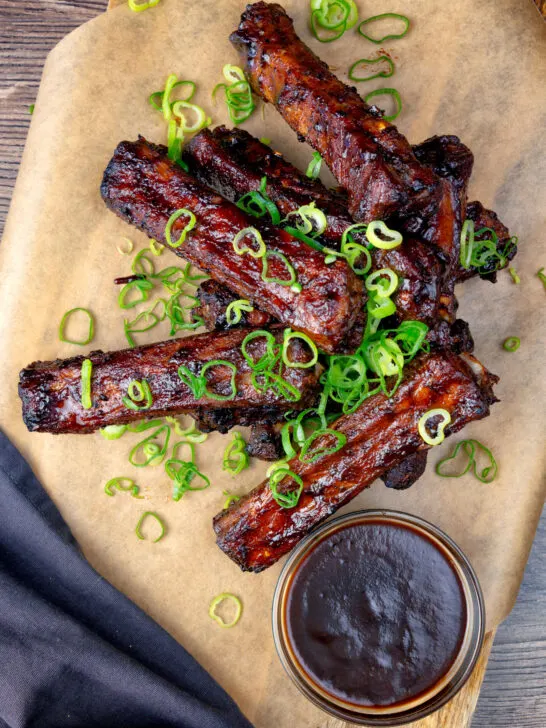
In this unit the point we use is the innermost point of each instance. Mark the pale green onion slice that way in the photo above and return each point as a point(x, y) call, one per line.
point(444, 422)
point(113, 432)
point(242, 249)
point(313, 170)
point(86, 374)
point(235, 310)
point(138, 7)
point(189, 226)
point(218, 600)
point(383, 283)
point(393, 237)
point(201, 119)
point(138, 392)
point(288, 336)
point(312, 221)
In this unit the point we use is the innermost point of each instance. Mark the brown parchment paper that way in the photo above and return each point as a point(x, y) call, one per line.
point(475, 68)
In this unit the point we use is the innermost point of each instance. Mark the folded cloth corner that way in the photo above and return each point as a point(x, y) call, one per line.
point(76, 653)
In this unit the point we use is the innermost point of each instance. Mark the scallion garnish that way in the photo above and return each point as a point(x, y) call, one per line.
point(483, 253)
point(309, 220)
point(313, 170)
point(122, 484)
point(285, 498)
point(63, 324)
point(424, 425)
point(31, 109)
point(470, 448)
point(143, 517)
point(242, 249)
point(128, 249)
point(153, 452)
point(218, 600)
point(512, 344)
point(387, 92)
point(113, 432)
point(390, 36)
point(183, 472)
point(333, 16)
point(230, 498)
point(513, 272)
point(389, 238)
point(238, 94)
point(542, 276)
point(288, 336)
point(370, 61)
point(86, 374)
point(137, 6)
point(156, 248)
point(267, 368)
point(235, 309)
point(142, 286)
point(197, 383)
point(139, 396)
point(185, 230)
point(291, 280)
point(235, 456)
point(382, 283)
point(257, 203)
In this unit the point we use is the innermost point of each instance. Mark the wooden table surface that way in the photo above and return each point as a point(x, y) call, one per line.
point(513, 693)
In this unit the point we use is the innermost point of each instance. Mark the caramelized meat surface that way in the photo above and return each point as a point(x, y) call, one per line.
point(233, 163)
point(255, 532)
point(367, 155)
point(407, 472)
point(265, 443)
point(51, 391)
point(144, 187)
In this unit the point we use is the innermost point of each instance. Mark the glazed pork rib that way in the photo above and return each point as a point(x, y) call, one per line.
point(51, 391)
point(255, 532)
point(233, 163)
point(366, 154)
point(144, 187)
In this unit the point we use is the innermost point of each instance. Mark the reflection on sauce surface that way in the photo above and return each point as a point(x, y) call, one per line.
point(376, 614)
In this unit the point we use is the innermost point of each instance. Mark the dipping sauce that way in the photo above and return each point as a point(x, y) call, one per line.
point(376, 615)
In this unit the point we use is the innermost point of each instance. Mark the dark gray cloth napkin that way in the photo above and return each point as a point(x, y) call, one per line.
point(75, 652)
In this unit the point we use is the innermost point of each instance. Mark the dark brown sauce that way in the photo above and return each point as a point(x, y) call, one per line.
point(376, 614)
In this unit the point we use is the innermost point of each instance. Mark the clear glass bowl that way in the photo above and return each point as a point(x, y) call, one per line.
point(438, 694)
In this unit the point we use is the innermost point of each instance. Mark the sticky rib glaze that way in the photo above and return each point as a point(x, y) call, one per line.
point(51, 391)
point(144, 187)
point(256, 532)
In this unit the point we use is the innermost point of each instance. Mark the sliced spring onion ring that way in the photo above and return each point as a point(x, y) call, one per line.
point(143, 517)
point(180, 108)
point(238, 94)
point(387, 92)
point(257, 203)
point(113, 432)
point(235, 310)
point(444, 422)
point(138, 392)
point(242, 249)
point(267, 360)
point(233, 385)
point(371, 61)
point(142, 286)
point(513, 272)
point(138, 7)
point(189, 226)
point(308, 455)
point(90, 333)
point(265, 140)
point(235, 455)
point(156, 248)
point(230, 498)
point(153, 452)
point(512, 343)
point(193, 381)
point(542, 276)
point(292, 276)
point(470, 449)
point(382, 283)
point(86, 374)
point(312, 221)
point(334, 16)
point(394, 238)
point(122, 484)
point(295, 233)
point(380, 307)
point(218, 600)
point(130, 327)
point(288, 336)
point(390, 36)
point(313, 169)
point(285, 498)
point(156, 98)
point(128, 247)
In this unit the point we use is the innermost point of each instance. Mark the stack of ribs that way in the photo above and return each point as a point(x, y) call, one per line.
point(420, 191)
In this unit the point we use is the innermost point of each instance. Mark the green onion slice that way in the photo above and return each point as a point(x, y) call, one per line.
point(122, 484)
point(194, 382)
point(313, 169)
point(138, 392)
point(113, 432)
point(86, 374)
point(129, 245)
point(156, 248)
point(235, 310)
point(242, 249)
point(382, 283)
point(269, 358)
point(143, 517)
point(285, 498)
point(201, 120)
point(153, 451)
point(371, 61)
point(308, 455)
point(512, 343)
point(288, 336)
point(238, 94)
point(387, 92)
point(390, 238)
point(218, 600)
point(390, 36)
point(440, 427)
point(542, 276)
point(233, 385)
point(513, 272)
point(189, 226)
point(230, 498)
point(470, 448)
point(380, 307)
point(156, 98)
point(90, 333)
point(183, 474)
point(235, 456)
point(138, 7)
point(312, 221)
point(142, 286)
point(257, 203)
point(292, 276)
point(295, 233)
